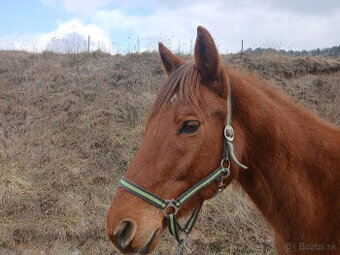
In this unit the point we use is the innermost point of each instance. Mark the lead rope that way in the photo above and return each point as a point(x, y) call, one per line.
point(174, 205)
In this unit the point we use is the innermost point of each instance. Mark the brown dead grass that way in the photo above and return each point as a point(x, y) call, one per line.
point(71, 124)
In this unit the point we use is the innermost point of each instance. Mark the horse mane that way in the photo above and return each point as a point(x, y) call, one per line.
point(183, 84)
point(271, 91)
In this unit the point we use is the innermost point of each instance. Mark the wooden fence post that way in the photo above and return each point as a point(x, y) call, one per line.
point(88, 44)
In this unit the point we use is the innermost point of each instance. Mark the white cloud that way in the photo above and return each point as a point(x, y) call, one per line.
point(40, 42)
point(284, 24)
point(75, 26)
point(258, 23)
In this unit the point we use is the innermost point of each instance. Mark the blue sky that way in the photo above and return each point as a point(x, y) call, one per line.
point(129, 25)
point(21, 16)
point(33, 16)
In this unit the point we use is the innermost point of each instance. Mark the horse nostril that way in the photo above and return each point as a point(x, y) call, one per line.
point(125, 232)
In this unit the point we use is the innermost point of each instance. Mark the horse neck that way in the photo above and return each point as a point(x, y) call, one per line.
point(289, 154)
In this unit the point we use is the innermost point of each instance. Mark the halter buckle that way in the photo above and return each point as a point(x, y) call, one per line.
point(229, 133)
point(170, 204)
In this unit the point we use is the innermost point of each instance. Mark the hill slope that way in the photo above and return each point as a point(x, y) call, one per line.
point(71, 124)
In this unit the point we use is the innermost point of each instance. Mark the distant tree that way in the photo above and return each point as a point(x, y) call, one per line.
point(333, 52)
point(69, 43)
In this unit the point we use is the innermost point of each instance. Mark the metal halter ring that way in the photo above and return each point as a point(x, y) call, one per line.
point(226, 170)
point(229, 133)
point(170, 204)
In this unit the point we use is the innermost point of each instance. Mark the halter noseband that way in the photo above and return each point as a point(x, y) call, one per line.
point(170, 207)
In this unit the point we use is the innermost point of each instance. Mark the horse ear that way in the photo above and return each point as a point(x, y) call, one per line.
point(207, 59)
point(169, 60)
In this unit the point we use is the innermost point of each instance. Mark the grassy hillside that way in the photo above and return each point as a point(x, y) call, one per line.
point(71, 124)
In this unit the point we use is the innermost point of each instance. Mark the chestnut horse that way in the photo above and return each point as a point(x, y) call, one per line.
point(293, 157)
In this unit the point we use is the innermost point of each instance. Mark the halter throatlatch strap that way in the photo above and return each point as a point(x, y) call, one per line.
point(174, 205)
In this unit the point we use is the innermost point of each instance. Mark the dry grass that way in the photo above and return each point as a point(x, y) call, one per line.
point(71, 124)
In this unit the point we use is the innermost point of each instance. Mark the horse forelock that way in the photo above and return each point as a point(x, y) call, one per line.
point(184, 86)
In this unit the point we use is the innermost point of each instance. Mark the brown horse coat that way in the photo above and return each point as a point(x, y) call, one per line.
point(293, 156)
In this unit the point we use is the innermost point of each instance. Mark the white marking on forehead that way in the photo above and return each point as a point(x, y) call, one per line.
point(173, 98)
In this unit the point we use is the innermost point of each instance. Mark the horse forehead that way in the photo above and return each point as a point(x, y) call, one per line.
point(171, 115)
point(183, 111)
point(163, 118)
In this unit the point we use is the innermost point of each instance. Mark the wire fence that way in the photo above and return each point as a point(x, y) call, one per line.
point(72, 43)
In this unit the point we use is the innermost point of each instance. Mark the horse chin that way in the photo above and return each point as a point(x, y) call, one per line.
point(144, 245)
point(152, 244)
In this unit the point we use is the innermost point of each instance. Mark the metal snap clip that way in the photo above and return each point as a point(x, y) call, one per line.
point(224, 174)
point(226, 170)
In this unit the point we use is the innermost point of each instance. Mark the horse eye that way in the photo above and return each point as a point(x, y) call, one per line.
point(190, 126)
